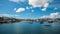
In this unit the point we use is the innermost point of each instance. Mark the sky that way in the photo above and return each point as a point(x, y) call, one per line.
point(30, 9)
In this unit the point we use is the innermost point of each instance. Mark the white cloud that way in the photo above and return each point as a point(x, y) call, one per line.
point(39, 3)
point(52, 15)
point(55, 15)
point(43, 9)
point(17, 1)
point(27, 8)
point(15, 9)
point(55, 8)
point(44, 16)
point(15, 15)
point(8, 15)
point(46, 4)
point(32, 10)
point(20, 10)
point(34, 3)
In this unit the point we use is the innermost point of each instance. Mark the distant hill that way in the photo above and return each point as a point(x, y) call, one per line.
point(12, 20)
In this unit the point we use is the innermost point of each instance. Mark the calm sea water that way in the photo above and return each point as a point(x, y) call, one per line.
point(30, 28)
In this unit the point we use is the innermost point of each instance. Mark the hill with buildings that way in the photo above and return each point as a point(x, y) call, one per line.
point(13, 20)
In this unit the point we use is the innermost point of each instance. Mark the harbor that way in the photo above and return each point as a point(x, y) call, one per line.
point(12, 20)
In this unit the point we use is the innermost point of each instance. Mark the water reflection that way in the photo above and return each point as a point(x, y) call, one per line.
point(30, 28)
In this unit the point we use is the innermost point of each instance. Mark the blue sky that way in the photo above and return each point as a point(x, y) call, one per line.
point(28, 8)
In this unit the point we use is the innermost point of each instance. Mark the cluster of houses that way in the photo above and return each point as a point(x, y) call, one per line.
point(12, 20)
point(7, 20)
